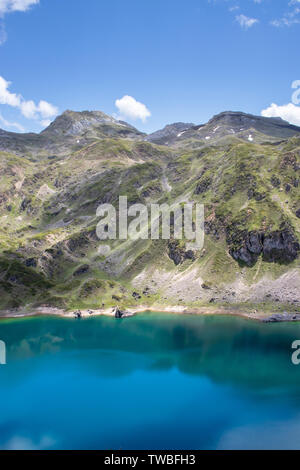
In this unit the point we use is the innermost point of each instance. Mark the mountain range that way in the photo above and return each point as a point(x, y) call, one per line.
point(245, 169)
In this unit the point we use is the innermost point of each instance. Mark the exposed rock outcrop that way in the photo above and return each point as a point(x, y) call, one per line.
point(178, 254)
point(279, 246)
point(203, 185)
point(118, 313)
point(81, 270)
point(280, 317)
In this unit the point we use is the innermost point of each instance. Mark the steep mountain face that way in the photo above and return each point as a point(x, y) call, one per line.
point(52, 183)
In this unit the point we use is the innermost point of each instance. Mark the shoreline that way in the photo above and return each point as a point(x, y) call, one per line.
point(173, 309)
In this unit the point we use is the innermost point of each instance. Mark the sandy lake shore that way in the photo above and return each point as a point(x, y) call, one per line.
point(134, 310)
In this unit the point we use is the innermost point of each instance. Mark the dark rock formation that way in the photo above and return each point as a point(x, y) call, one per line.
point(288, 187)
point(31, 262)
point(205, 286)
point(146, 291)
point(25, 204)
point(118, 313)
point(178, 254)
point(203, 185)
point(280, 246)
point(253, 194)
point(247, 246)
point(116, 297)
point(77, 314)
point(279, 317)
point(290, 159)
point(81, 270)
point(275, 181)
point(189, 254)
point(136, 295)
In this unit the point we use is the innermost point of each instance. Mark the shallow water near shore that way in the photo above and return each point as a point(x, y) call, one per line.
point(152, 381)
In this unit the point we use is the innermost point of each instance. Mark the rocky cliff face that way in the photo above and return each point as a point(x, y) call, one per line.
point(280, 246)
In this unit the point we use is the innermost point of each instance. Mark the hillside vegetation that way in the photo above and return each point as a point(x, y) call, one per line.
point(245, 169)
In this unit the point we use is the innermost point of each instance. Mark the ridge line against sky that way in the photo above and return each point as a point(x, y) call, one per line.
point(24, 24)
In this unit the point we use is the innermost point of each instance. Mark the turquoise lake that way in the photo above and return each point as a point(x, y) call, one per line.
point(153, 381)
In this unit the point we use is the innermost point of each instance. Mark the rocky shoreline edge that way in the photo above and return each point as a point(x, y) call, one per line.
point(120, 313)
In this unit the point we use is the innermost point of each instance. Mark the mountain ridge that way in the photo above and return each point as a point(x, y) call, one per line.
point(76, 123)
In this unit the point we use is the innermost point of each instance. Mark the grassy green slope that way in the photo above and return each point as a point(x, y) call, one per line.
point(50, 253)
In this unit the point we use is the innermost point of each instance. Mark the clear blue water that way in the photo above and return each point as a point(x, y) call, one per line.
point(154, 381)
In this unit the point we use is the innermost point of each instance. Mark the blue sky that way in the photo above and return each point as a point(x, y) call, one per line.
point(185, 61)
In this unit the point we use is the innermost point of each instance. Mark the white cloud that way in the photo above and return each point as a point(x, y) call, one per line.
point(285, 21)
point(291, 17)
point(130, 108)
point(246, 22)
point(30, 110)
point(289, 112)
point(8, 6)
point(11, 99)
point(8, 124)
point(46, 109)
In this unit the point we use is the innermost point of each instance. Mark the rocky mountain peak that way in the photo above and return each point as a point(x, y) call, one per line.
point(74, 123)
point(228, 124)
point(239, 121)
point(169, 133)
